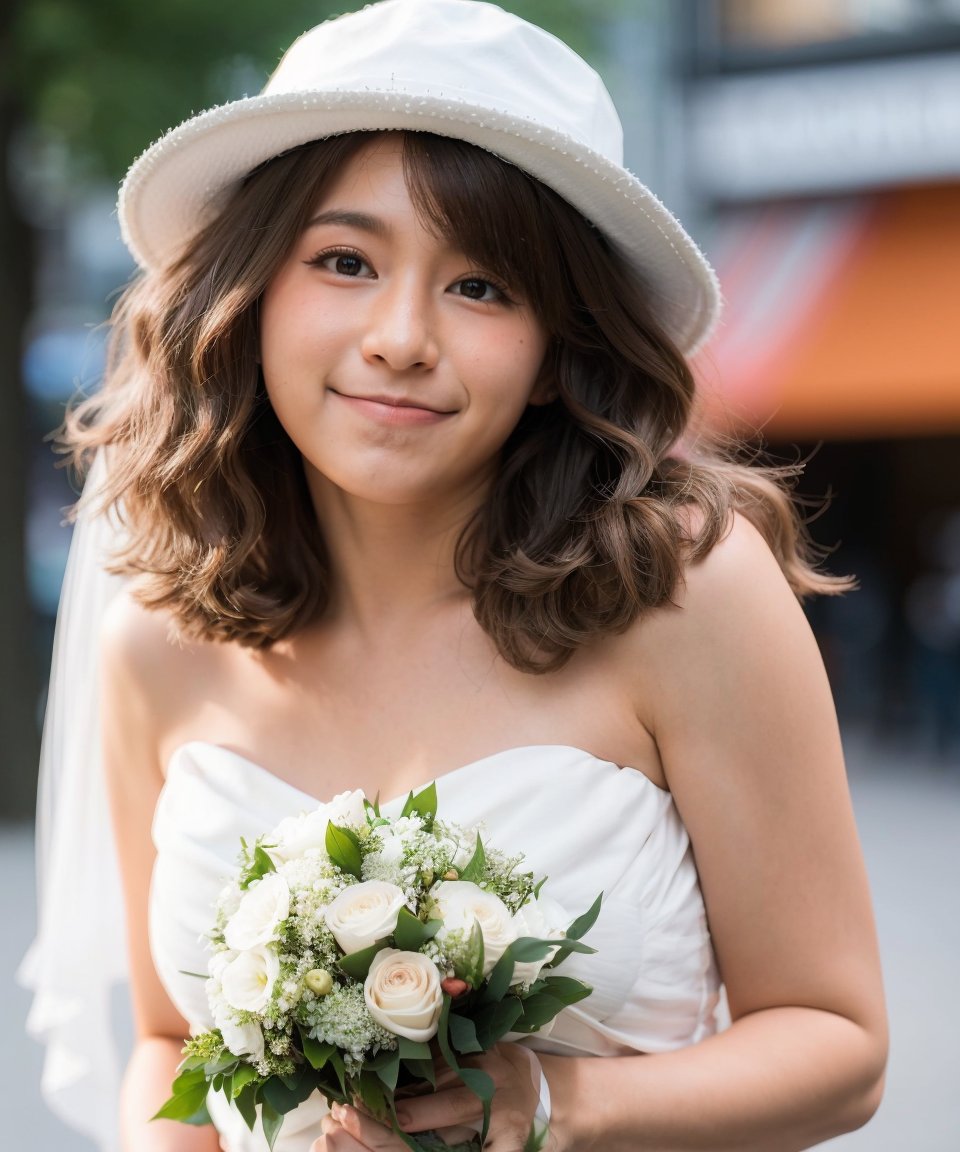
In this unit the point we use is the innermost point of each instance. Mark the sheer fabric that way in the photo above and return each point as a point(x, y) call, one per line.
point(79, 953)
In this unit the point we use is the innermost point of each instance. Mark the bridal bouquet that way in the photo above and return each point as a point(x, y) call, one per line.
point(353, 949)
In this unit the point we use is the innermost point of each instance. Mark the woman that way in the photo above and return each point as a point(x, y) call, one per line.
point(397, 434)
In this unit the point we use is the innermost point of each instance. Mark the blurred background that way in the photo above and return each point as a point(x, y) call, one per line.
point(813, 148)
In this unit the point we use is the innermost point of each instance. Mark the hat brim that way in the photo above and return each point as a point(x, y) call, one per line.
point(180, 183)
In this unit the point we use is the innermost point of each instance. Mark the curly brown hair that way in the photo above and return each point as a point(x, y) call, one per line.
point(587, 523)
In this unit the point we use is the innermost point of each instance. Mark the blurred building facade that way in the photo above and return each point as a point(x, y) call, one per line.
point(823, 155)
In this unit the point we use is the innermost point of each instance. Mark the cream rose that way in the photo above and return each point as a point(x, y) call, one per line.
point(460, 904)
point(402, 992)
point(265, 905)
point(543, 919)
point(364, 913)
point(248, 980)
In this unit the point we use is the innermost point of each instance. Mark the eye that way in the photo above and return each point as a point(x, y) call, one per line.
point(342, 261)
point(482, 289)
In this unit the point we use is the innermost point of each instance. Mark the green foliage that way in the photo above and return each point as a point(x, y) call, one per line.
point(107, 77)
point(343, 848)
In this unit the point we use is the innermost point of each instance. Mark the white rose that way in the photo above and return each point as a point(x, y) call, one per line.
point(402, 992)
point(264, 906)
point(460, 904)
point(348, 810)
point(364, 913)
point(298, 835)
point(543, 919)
point(247, 981)
point(391, 847)
point(241, 1039)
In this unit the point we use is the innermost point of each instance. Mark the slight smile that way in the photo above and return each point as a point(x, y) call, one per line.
point(386, 409)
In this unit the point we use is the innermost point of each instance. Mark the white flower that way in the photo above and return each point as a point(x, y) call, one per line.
point(264, 906)
point(348, 810)
point(543, 919)
point(241, 1039)
point(247, 981)
point(364, 913)
point(402, 993)
point(298, 835)
point(460, 904)
point(307, 832)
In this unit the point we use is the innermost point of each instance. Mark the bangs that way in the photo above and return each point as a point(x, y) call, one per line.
point(493, 212)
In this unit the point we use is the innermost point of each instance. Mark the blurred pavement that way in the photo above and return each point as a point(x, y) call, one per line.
point(908, 810)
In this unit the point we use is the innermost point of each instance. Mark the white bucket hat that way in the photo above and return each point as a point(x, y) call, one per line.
point(457, 68)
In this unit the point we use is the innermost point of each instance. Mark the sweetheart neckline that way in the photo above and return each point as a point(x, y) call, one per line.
point(453, 772)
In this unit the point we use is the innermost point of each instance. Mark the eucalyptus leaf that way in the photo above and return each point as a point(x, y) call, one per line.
point(272, 1121)
point(246, 1103)
point(494, 1021)
point(463, 1034)
point(584, 923)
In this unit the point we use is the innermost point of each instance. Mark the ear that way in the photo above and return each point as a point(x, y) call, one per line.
point(544, 391)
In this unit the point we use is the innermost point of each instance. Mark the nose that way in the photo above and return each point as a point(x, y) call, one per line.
point(400, 329)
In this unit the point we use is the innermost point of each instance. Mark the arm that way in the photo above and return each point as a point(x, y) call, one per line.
point(133, 654)
point(743, 717)
point(734, 691)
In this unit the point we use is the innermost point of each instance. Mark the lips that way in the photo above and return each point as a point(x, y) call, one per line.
point(392, 401)
point(391, 409)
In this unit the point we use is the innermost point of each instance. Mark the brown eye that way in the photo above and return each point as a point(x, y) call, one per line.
point(476, 288)
point(347, 264)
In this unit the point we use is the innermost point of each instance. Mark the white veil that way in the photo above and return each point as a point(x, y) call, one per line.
point(79, 953)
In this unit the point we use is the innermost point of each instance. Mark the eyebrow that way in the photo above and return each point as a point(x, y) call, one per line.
point(349, 219)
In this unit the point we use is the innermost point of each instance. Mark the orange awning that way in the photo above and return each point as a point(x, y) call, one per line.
point(843, 318)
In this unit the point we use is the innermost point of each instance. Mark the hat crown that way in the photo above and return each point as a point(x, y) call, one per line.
point(461, 51)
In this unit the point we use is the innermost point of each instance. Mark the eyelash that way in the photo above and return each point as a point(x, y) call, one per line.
point(503, 295)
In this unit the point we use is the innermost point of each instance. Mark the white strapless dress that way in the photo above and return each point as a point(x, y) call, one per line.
point(587, 824)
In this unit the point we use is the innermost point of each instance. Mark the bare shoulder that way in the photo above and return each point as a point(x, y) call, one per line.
point(733, 600)
point(147, 671)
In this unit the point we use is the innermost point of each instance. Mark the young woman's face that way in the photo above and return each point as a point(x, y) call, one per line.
point(395, 364)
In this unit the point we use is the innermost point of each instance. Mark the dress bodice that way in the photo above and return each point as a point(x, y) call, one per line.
point(586, 823)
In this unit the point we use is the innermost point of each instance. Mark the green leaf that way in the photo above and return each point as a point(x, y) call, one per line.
point(373, 805)
point(243, 1076)
point(262, 864)
point(424, 804)
point(477, 864)
point(414, 1049)
point(565, 989)
point(463, 1034)
point(469, 964)
point(494, 1021)
point(499, 979)
point(271, 1121)
point(537, 1011)
point(479, 1083)
point(422, 1070)
point(411, 933)
point(343, 848)
point(584, 923)
point(316, 1053)
point(287, 1092)
point(387, 1067)
point(357, 964)
point(372, 1094)
point(336, 1063)
point(188, 1102)
point(246, 1102)
point(529, 948)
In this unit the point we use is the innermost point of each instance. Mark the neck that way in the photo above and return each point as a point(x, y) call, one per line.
point(390, 563)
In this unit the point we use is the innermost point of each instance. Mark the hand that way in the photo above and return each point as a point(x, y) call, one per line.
point(515, 1099)
point(348, 1129)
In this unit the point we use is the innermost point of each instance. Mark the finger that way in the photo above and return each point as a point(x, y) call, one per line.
point(366, 1130)
point(457, 1105)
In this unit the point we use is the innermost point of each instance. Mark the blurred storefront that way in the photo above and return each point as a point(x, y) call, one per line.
point(824, 148)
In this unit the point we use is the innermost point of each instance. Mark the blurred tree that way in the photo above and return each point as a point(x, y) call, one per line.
point(95, 81)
